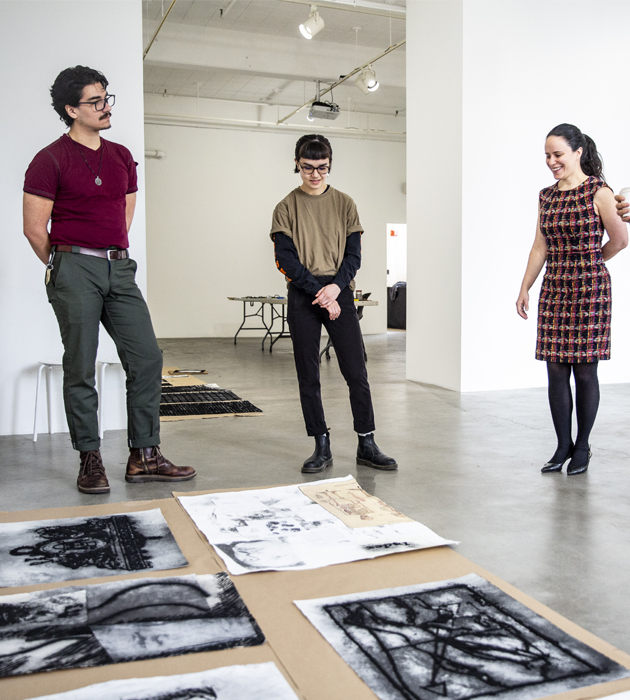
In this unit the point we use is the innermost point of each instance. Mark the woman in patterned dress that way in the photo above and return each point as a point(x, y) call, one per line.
point(575, 300)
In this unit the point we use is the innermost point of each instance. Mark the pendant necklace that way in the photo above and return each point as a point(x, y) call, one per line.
point(97, 179)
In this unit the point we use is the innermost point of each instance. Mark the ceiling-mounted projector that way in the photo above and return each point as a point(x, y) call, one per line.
point(324, 110)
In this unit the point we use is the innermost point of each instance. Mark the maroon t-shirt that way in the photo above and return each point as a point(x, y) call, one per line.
point(84, 213)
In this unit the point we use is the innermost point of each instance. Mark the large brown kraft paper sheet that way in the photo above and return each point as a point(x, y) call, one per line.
point(201, 560)
point(312, 667)
point(317, 669)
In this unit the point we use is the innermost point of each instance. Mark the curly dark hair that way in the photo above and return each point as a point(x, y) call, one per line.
point(591, 161)
point(313, 147)
point(68, 88)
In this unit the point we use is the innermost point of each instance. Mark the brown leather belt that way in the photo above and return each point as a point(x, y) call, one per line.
point(109, 253)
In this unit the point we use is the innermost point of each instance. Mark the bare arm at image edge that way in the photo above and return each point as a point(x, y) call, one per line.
point(537, 258)
point(36, 213)
point(615, 228)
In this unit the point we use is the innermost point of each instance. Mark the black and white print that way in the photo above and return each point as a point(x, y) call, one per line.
point(122, 621)
point(106, 545)
point(462, 639)
point(280, 529)
point(251, 682)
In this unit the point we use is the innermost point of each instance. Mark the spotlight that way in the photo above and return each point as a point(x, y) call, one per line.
point(366, 80)
point(313, 25)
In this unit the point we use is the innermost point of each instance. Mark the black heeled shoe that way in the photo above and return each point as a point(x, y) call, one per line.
point(552, 466)
point(580, 469)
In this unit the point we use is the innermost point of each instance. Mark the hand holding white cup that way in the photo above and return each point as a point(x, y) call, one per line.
point(623, 205)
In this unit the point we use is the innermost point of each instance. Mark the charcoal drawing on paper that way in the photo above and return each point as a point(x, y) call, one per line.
point(251, 682)
point(72, 548)
point(122, 621)
point(281, 528)
point(461, 639)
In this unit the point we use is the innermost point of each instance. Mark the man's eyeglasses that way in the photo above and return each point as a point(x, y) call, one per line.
point(308, 169)
point(99, 105)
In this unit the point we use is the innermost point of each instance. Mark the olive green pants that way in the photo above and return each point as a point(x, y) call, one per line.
point(85, 291)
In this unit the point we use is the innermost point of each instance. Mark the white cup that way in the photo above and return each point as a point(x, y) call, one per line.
point(625, 193)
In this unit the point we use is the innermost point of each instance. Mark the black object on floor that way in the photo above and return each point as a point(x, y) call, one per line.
point(205, 408)
point(397, 306)
point(202, 400)
point(199, 396)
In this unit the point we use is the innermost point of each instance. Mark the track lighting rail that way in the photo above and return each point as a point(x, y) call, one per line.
point(345, 77)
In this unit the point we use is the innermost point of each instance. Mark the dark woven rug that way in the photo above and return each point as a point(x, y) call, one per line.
point(198, 400)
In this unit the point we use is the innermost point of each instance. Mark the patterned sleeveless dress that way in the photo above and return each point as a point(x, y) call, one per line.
point(575, 297)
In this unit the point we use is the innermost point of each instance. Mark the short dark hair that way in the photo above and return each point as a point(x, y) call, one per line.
point(313, 147)
point(591, 161)
point(68, 88)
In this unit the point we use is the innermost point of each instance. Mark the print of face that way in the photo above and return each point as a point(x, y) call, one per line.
point(264, 553)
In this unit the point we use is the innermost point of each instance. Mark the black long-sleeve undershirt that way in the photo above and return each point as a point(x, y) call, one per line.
point(288, 262)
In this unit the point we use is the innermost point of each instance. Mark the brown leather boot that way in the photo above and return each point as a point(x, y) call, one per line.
point(92, 477)
point(149, 464)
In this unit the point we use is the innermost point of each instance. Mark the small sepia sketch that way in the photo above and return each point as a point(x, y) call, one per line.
point(282, 529)
point(463, 638)
point(89, 547)
point(122, 621)
point(247, 682)
point(353, 505)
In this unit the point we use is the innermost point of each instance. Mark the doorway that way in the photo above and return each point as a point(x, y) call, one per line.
point(397, 276)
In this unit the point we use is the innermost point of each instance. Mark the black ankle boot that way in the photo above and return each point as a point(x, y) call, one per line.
point(321, 458)
point(369, 455)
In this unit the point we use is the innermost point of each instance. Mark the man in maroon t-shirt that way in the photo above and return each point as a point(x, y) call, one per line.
point(86, 187)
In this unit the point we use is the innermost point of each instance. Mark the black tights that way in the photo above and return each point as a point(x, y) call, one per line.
point(561, 404)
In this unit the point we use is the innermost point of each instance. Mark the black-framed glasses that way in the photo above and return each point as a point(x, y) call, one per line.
point(99, 105)
point(321, 169)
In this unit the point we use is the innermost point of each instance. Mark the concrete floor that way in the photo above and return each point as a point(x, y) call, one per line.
point(469, 468)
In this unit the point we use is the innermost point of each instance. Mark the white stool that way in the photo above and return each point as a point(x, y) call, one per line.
point(104, 364)
point(44, 366)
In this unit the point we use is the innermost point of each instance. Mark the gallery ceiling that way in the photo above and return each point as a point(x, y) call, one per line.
point(252, 51)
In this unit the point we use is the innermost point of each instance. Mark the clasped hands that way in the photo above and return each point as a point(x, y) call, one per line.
point(327, 299)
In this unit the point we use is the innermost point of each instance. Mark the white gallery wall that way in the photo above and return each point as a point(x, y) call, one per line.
point(491, 79)
point(209, 208)
point(37, 41)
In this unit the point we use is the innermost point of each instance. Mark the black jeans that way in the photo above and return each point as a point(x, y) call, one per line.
point(305, 323)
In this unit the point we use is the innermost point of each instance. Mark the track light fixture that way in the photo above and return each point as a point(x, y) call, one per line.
point(313, 25)
point(366, 80)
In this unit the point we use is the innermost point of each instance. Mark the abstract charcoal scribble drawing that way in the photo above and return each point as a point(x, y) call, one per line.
point(460, 639)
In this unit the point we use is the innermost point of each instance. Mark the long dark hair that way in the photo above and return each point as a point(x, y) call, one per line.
point(591, 161)
point(313, 147)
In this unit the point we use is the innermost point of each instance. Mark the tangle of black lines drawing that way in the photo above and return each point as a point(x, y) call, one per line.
point(456, 642)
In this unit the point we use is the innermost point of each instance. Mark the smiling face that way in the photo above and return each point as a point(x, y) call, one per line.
point(85, 116)
point(313, 182)
point(561, 160)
